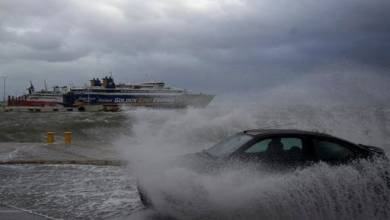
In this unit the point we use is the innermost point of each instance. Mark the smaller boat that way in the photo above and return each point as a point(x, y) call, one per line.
point(38, 101)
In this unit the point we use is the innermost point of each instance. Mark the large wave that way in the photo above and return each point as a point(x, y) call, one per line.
point(358, 191)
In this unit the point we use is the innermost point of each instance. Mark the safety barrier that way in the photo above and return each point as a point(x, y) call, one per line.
point(51, 137)
point(67, 137)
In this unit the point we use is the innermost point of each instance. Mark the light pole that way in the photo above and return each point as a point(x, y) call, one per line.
point(4, 79)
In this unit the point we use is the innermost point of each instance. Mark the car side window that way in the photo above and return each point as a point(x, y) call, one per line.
point(292, 143)
point(331, 151)
point(284, 144)
point(259, 147)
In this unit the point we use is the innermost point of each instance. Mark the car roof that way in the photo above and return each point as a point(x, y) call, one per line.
point(261, 132)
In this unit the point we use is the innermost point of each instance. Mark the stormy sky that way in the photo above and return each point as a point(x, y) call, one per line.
point(332, 48)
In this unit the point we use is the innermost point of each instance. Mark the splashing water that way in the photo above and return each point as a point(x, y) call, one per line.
point(149, 139)
point(358, 191)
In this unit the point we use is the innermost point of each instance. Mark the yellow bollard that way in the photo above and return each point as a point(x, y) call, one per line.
point(68, 137)
point(50, 137)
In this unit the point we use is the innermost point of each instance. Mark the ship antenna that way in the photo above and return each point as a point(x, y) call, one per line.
point(45, 85)
point(31, 89)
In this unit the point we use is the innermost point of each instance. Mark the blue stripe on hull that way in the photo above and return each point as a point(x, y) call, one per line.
point(171, 100)
point(122, 99)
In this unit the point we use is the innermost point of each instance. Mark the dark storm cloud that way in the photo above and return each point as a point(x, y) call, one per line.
point(199, 44)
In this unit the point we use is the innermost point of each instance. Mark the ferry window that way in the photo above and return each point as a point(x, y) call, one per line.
point(331, 151)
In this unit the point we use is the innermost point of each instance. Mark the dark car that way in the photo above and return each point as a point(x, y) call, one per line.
point(290, 148)
point(279, 149)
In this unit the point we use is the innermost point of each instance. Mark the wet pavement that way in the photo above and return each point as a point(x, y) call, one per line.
point(10, 213)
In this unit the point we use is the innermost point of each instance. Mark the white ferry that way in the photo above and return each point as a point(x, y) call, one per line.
point(108, 96)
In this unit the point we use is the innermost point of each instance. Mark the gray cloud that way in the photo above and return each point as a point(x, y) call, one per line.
point(212, 45)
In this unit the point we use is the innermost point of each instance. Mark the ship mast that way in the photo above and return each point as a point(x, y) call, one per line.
point(45, 84)
point(89, 90)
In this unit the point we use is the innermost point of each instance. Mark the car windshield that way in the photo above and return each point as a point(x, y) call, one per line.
point(228, 146)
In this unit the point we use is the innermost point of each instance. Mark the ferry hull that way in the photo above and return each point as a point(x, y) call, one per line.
point(34, 109)
point(25, 105)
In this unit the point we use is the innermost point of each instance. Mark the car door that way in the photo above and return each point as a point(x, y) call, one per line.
point(333, 151)
point(283, 150)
